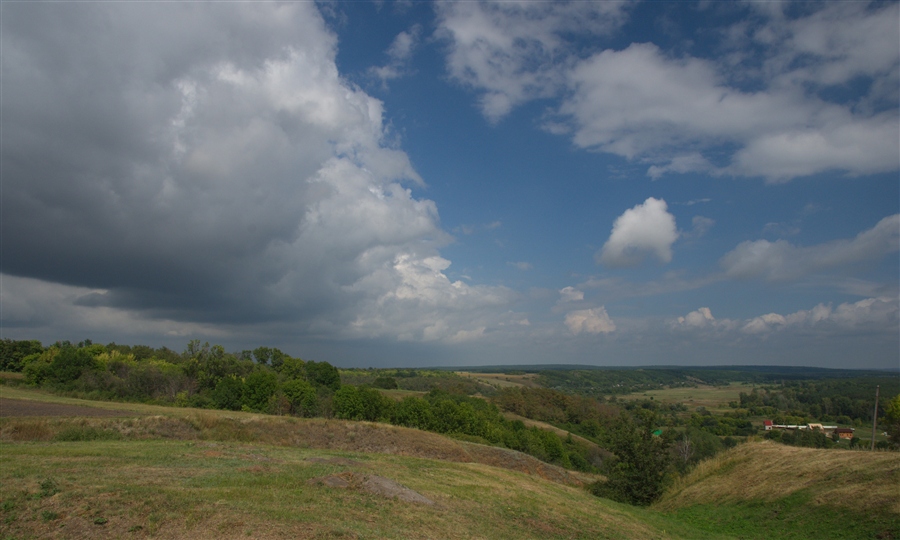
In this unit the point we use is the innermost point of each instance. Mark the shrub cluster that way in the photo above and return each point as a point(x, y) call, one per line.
point(267, 380)
point(584, 416)
point(466, 417)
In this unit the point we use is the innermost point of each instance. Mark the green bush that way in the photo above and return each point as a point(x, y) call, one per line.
point(387, 383)
point(361, 403)
point(228, 393)
point(69, 364)
point(13, 352)
point(258, 389)
point(302, 397)
point(413, 412)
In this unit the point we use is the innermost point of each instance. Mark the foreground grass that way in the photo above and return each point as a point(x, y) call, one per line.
point(769, 490)
point(183, 473)
point(178, 489)
point(177, 473)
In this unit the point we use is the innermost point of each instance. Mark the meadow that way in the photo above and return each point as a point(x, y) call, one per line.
point(712, 398)
point(118, 470)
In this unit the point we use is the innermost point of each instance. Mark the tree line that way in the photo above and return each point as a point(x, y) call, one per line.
point(848, 401)
point(266, 380)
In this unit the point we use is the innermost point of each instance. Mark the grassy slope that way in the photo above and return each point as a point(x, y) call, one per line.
point(764, 489)
point(177, 489)
point(174, 473)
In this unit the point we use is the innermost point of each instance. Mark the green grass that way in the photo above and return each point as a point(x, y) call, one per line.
point(768, 490)
point(713, 398)
point(791, 517)
point(178, 473)
point(215, 490)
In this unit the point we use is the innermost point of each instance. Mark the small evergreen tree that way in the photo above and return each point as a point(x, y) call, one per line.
point(638, 474)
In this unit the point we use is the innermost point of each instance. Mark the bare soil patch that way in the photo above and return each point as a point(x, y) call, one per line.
point(25, 407)
point(374, 484)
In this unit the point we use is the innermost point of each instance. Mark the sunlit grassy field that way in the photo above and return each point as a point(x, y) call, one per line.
point(713, 398)
point(155, 472)
point(178, 473)
point(179, 489)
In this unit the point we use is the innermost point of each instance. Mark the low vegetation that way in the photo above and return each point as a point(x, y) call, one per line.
point(148, 471)
point(266, 380)
point(770, 490)
point(672, 445)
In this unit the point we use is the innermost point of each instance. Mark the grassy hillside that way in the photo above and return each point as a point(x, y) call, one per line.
point(142, 471)
point(765, 489)
point(115, 470)
point(180, 489)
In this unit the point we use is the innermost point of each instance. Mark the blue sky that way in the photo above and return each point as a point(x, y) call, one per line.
point(395, 183)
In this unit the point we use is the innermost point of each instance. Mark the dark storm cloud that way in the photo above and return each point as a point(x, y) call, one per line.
point(205, 162)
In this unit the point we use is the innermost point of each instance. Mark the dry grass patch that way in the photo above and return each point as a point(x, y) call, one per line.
point(856, 480)
point(177, 489)
point(398, 395)
point(501, 380)
point(316, 433)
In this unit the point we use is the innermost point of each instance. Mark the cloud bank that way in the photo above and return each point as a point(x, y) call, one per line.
point(783, 261)
point(763, 104)
point(867, 316)
point(206, 163)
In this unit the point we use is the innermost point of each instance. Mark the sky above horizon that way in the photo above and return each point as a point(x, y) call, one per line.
point(456, 183)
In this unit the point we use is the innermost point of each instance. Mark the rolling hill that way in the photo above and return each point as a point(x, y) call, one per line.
point(115, 470)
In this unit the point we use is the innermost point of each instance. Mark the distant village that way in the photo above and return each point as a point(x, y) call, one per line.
point(843, 433)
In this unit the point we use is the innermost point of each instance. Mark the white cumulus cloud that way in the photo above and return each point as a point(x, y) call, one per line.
point(646, 229)
point(508, 51)
point(590, 321)
point(399, 54)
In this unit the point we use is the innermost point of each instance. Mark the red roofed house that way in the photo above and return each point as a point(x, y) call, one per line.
point(844, 432)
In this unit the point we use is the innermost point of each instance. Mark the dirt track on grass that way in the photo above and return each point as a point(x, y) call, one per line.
point(25, 407)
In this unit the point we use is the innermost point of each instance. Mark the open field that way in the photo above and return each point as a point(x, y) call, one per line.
point(398, 395)
point(24, 407)
point(156, 472)
point(501, 380)
point(713, 398)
